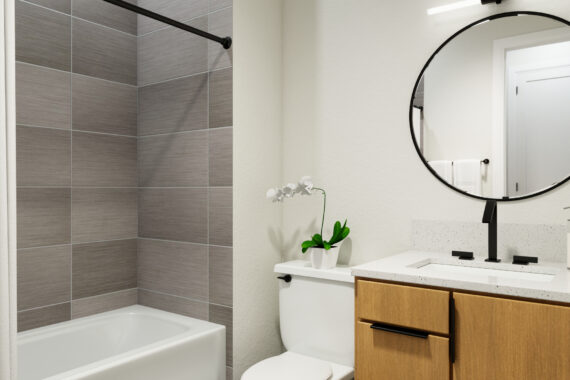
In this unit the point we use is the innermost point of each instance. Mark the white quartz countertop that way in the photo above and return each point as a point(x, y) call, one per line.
point(552, 282)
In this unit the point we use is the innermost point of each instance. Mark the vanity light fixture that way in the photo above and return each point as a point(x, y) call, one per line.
point(459, 5)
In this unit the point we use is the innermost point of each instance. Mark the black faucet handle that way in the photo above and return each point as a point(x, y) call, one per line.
point(463, 255)
point(524, 260)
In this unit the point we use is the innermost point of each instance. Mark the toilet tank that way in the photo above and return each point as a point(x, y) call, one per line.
point(316, 311)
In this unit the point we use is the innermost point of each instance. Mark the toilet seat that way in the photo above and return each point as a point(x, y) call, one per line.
point(289, 366)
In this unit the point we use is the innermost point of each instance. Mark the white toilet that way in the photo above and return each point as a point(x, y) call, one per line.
point(316, 312)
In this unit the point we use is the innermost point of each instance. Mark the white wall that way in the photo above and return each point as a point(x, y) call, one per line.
point(257, 163)
point(349, 70)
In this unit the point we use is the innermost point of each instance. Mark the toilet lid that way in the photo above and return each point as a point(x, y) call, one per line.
point(289, 366)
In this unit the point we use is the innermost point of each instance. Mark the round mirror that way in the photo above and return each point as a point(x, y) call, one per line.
point(490, 111)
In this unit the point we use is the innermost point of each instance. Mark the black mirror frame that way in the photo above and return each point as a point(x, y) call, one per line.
point(418, 151)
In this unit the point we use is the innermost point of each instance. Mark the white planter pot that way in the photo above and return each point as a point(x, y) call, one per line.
point(323, 259)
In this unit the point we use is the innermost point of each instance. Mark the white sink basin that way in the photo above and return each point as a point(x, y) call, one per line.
point(502, 271)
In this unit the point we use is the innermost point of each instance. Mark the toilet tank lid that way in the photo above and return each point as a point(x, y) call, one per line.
point(304, 268)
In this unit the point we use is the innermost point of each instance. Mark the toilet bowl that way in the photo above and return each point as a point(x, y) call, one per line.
point(316, 314)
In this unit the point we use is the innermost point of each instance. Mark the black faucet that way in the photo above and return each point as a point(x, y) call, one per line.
point(490, 217)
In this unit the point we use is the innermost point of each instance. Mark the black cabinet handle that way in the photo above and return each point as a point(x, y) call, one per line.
point(286, 278)
point(400, 330)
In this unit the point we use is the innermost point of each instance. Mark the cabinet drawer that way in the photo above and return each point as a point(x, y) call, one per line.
point(392, 356)
point(418, 308)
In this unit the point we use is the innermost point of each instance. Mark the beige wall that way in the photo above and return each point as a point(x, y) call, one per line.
point(257, 163)
point(349, 69)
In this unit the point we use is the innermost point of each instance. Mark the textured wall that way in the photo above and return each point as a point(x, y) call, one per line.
point(76, 159)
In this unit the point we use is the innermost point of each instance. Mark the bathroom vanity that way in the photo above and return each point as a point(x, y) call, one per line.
point(430, 316)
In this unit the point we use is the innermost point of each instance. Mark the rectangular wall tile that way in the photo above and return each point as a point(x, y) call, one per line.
point(31, 319)
point(100, 268)
point(220, 23)
point(175, 268)
point(43, 37)
point(104, 53)
point(223, 316)
point(175, 106)
point(221, 156)
point(43, 97)
point(106, 14)
point(57, 5)
point(172, 53)
point(99, 304)
point(174, 160)
point(221, 275)
point(173, 214)
point(220, 216)
point(103, 106)
point(104, 161)
point(44, 276)
point(229, 373)
point(104, 214)
point(174, 304)
point(43, 216)
point(43, 157)
point(219, 4)
point(221, 98)
point(180, 10)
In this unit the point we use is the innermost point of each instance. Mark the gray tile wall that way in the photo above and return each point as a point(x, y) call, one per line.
point(124, 161)
point(76, 159)
point(185, 164)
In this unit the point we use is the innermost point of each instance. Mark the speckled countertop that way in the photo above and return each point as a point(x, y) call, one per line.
point(544, 281)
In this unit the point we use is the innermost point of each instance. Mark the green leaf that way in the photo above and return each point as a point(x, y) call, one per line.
point(307, 244)
point(340, 233)
point(318, 239)
point(326, 245)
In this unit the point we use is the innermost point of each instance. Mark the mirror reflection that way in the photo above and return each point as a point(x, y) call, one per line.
point(491, 112)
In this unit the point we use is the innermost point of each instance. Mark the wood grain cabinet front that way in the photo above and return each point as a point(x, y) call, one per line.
point(390, 355)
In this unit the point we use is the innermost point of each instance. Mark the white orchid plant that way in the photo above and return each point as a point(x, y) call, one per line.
point(305, 187)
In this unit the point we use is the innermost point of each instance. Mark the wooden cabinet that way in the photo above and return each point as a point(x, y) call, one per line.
point(404, 332)
point(508, 339)
point(382, 355)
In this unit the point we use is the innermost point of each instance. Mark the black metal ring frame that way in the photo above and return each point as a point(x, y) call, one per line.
point(489, 18)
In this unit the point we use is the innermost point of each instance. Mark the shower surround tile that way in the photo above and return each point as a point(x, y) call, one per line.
point(224, 316)
point(174, 160)
point(107, 14)
point(220, 23)
point(31, 319)
point(44, 276)
point(104, 214)
point(221, 275)
point(179, 269)
point(173, 304)
point(63, 6)
point(43, 37)
point(220, 216)
point(174, 214)
point(84, 307)
point(43, 217)
point(43, 97)
point(174, 106)
point(179, 10)
point(104, 53)
point(104, 161)
point(172, 53)
point(100, 268)
point(221, 156)
point(103, 106)
point(221, 98)
point(43, 157)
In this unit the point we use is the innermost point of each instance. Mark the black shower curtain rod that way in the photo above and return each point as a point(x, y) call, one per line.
point(226, 42)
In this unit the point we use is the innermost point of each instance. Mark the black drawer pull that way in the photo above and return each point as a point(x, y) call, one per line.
point(400, 330)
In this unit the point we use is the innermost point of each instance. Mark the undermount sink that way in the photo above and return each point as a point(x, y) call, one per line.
point(501, 271)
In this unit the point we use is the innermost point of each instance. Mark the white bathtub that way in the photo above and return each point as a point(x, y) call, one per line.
point(134, 342)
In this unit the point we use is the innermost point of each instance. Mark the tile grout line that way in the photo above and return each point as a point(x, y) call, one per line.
point(186, 298)
point(186, 76)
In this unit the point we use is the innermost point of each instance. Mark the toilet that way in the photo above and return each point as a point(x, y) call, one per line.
point(316, 314)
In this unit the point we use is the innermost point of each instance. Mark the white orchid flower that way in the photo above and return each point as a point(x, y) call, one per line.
point(275, 195)
point(289, 190)
point(305, 185)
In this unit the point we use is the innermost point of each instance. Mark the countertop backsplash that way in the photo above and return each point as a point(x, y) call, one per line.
point(547, 241)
